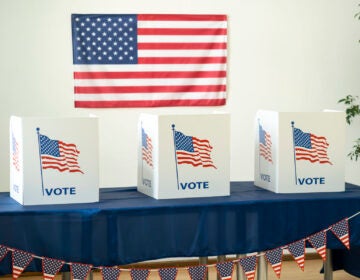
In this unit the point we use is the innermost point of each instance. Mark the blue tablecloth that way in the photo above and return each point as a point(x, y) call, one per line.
point(127, 226)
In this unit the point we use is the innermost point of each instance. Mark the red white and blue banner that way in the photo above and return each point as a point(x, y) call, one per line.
point(79, 271)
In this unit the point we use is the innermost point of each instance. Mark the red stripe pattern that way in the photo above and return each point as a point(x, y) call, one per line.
point(149, 60)
point(311, 147)
point(56, 154)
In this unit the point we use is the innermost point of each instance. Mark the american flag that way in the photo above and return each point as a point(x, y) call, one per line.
point(20, 260)
point(15, 153)
point(110, 273)
point(249, 266)
point(51, 267)
point(265, 144)
point(148, 60)
point(192, 150)
point(139, 274)
point(341, 231)
point(197, 272)
point(297, 250)
point(310, 147)
point(225, 270)
point(147, 148)
point(80, 271)
point(56, 154)
point(3, 251)
point(318, 241)
point(168, 273)
point(274, 257)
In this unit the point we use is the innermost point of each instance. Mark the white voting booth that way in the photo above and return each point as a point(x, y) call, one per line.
point(300, 152)
point(184, 155)
point(54, 160)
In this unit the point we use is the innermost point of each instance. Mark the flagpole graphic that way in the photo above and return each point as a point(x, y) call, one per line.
point(41, 167)
point(176, 160)
point(294, 147)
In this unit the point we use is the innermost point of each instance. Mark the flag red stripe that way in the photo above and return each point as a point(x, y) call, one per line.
point(181, 46)
point(182, 31)
point(149, 103)
point(149, 75)
point(182, 60)
point(181, 17)
point(151, 89)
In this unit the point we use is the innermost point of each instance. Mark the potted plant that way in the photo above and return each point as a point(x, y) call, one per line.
point(352, 110)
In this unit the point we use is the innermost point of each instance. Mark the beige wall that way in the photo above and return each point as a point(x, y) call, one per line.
point(285, 55)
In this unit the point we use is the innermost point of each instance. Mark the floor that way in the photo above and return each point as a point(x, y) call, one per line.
point(290, 271)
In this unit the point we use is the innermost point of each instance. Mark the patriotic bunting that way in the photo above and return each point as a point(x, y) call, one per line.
point(139, 274)
point(20, 260)
point(341, 231)
point(249, 266)
point(80, 271)
point(297, 250)
point(110, 273)
point(3, 252)
point(168, 273)
point(318, 241)
point(225, 270)
point(51, 267)
point(274, 257)
point(197, 272)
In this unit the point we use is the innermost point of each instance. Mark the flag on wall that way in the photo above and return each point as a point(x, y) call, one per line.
point(192, 150)
point(56, 154)
point(265, 144)
point(311, 147)
point(149, 60)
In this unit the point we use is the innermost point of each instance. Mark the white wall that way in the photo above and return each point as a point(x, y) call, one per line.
point(283, 55)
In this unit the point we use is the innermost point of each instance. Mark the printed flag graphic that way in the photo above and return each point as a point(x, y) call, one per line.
point(80, 271)
point(249, 266)
point(318, 241)
point(192, 150)
point(168, 273)
point(51, 267)
point(56, 154)
point(110, 273)
point(225, 270)
point(147, 148)
point(20, 260)
point(149, 60)
point(297, 250)
point(341, 231)
point(139, 274)
point(3, 251)
point(15, 153)
point(197, 272)
point(274, 257)
point(310, 147)
point(265, 144)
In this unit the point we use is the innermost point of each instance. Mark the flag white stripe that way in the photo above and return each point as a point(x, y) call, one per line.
point(149, 82)
point(181, 24)
point(181, 53)
point(152, 96)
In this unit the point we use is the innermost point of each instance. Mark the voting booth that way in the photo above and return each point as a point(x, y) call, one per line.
point(184, 155)
point(300, 152)
point(54, 160)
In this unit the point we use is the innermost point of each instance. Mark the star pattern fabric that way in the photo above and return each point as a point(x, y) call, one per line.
point(341, 231)
point(318, 241)
point(274, 257)
point(297, 250)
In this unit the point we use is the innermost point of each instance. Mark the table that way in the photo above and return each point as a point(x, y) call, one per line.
point(127, 226)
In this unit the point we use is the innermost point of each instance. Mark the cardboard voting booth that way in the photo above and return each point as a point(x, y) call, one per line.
point(184, 155)
point(54, 160)
point(300, 152)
